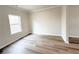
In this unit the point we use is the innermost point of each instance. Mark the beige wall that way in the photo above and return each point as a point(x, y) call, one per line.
point(47, 21)
point(73, 21)
point(5, 36)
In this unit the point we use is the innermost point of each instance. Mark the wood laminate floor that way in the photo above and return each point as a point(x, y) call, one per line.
point(40, 44)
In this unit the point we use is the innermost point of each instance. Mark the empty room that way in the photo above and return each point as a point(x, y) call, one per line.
point(39, 29)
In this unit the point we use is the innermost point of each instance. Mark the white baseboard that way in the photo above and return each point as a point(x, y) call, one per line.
point(7, 44)
point(11, 42)
point(74, 36)
point(47, 34)
point(66, 40)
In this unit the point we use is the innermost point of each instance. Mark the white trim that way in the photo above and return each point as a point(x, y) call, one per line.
point(47, 34)
point(74, 36)
point(11, 41)
point(43, 9)
point(7, 43)
point(65, 39)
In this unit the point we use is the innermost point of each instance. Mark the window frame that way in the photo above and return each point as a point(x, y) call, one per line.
point(12, 29)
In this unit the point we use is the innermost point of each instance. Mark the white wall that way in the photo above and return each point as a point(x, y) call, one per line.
point(74, 21)
point(5, 36)
point(64, 27)
point(47, 22)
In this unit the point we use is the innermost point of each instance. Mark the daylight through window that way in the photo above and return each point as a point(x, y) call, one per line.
point(15, 23)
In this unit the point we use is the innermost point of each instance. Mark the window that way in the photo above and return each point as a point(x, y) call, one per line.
point(15, 24)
